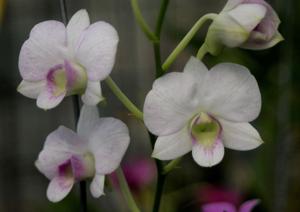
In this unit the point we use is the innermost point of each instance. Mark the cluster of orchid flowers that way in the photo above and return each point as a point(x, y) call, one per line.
point(198, 110)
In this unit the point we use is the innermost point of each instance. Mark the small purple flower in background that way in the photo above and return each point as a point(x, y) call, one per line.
point(139, 172)
point(211, 193)
point(94, 152)
point(249, 24)
point(202, 111)
point(58, 60)
point(228, 207)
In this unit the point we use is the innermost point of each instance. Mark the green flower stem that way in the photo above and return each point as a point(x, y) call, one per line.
point(161, 178)
point(126, 191)
point(141, 21)
point(171, 165)
point(202, 51)
point(185, 41)
point(156, 45)
point(123, 98)
point(161, 17)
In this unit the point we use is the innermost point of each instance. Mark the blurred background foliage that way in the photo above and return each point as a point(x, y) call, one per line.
point(270, 173)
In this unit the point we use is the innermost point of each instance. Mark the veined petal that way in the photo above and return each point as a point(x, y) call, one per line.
point(59, 147)
point(46, 100)
point(218, 207)
point(97, 186)
point(65, 140)
point(49, 160)
point(93, 93)
point(196, 68)
point(248, 15)
point(239, 136)
point(108, 143)
point(171, 103)
point(231, 92)
point(59, 188)
point(45, 48)
point(249, 205)
point(77, 24)
point(260, 44)
point(97, 50)
point(88, 120)
point(232, 4)
point(31, 89)
point(208, 156)
point(173, 146)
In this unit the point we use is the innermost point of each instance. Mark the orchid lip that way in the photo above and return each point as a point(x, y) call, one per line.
point(205, 129)
point(67, 77)
point(78, 167)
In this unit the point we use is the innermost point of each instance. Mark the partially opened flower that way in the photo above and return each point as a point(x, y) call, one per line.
point(249, 24)
point(58, 60)
point(96, 150)
point(202, 111)
point(228, 207)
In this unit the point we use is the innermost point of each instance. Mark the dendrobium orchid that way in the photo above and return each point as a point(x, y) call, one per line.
point(96, 150)
point(202, 111)
point(228, 207)
point(58, 60)
point(249, 24)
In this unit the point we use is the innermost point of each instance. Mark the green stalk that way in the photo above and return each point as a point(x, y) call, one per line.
point(124, 99)
point(171, 165)
point(187, 38)
point(156, 45)
point(141, 21)
point(202, 51)
point(161, 178)
point(126, 191)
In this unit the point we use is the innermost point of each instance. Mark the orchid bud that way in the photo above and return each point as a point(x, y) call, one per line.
point(249, 24)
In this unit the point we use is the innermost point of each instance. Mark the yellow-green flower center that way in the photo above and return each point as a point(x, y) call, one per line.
point(205, 129)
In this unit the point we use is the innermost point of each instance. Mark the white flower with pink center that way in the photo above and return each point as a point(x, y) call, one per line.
point(203, 111)
point(58, 60)
point(94, 151)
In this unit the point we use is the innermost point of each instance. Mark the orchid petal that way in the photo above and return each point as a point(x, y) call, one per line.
point(59, 188)
point(231, 92)
point(88, 120)
point(218, 207)
point(208, 156)
point(47, 100)
point(93, 93)
point(59, 147)
point(196, 68)
point(64, 139)
point(44, 49)
point(31, 89)
point(97, 186)
point(254, 44)
point(78, 23)
point(239, 136)
point(249, 205)
point(248, 15)
point(108, 143)
point(173, 146)
point(170, 104)
point(49, 160)
point(97, 50)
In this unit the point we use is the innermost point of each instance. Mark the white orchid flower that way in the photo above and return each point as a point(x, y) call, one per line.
point(58, 60)
point(203, 111)
point(96, 150)
point(249, 24)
